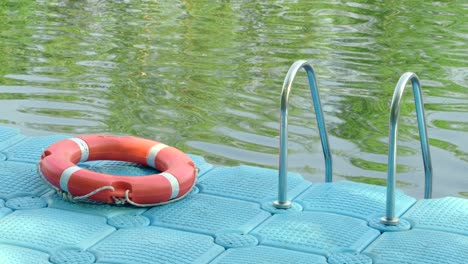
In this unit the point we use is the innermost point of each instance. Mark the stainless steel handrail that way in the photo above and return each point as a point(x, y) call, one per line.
point(390, 218)
point(283, 202)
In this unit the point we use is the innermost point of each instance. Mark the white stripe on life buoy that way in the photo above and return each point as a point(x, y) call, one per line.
point(174, 183)
point(152, 153)
point(83, 147)
point(65, 177)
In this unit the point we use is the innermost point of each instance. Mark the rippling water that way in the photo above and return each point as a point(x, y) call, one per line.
point(205, 76)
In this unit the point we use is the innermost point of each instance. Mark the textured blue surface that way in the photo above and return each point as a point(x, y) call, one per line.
point(153, 245)
point(128, 221)
point(419, 247)
point(208, 214)
point(316, 232)
point(248, 183)
point(27, 202)
point(68, 256)
point(227, 219)
point(267, 255)
point(30, 149)
point(9, 136)
point(349, 258)
point(51, 229)
point(232, 239)
point(351, 198)
point(3, 210)
point(20, 179)
point(10, 254)
point(446, 214)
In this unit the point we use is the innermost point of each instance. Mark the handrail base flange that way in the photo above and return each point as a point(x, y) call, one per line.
point(390, 221)
point(282, 205)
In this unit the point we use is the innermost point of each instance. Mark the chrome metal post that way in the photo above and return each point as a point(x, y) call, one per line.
point(390, 218)
point(283, 202)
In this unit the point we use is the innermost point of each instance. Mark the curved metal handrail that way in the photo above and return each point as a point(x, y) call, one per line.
point(283, 202)
point(390, 218)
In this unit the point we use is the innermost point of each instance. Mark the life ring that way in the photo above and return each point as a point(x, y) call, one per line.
point(58, 165)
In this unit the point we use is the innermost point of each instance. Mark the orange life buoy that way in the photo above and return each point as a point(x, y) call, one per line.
point(58, 165)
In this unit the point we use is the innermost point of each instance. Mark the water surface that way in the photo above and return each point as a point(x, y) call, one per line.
point(206, 76)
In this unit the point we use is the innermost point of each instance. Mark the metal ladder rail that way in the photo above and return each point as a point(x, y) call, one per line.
point(283, 202)
point(390, 218)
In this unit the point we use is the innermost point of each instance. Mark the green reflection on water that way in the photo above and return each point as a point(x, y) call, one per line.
point(451, 147)
point(205, 76)
point(375, 166)
point(376, 181)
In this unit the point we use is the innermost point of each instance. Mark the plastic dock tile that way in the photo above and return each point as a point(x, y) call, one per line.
point(208, 214)
point(315, 232)
point(229, 218)
point(354, 199)
point(3, 210)
point(249, 183)
point(233, 239)
point(17, 255)
point(30, 150)
point(419, 247)
point(51, 229)
point(70, 256)
point(446, 214)
point(349, 258)
point(26, 202)
point(153, 245)
point(20, 179)
point(128, 221)
point(9, 136)
point(261, 254)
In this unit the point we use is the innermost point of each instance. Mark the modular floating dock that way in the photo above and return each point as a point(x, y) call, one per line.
point(235, 215)
point(227, 218)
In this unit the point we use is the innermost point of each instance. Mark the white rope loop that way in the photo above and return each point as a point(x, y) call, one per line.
point(127, 199)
